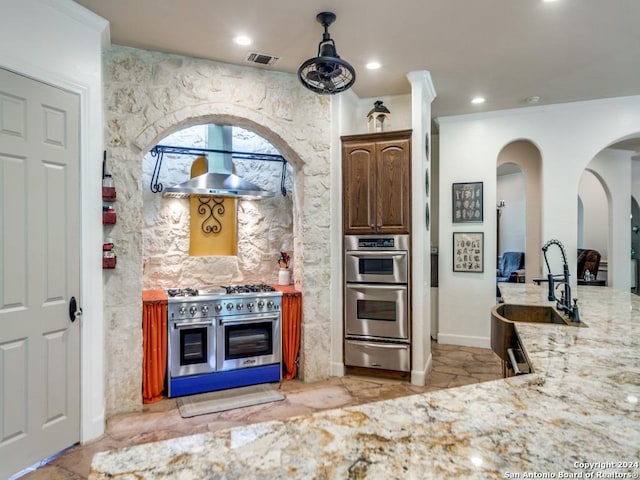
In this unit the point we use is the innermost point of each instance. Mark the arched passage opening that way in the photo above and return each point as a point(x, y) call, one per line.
point(612, 172)
point(519, 166)
point(261, 229)
point(594, 204)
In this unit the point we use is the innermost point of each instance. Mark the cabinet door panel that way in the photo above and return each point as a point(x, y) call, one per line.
point(392, 186)
point(359, 190)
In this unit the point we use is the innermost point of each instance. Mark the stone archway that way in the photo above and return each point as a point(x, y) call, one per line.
point(151, 94)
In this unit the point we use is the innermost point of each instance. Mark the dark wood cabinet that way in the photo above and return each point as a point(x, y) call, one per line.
point(376, 172)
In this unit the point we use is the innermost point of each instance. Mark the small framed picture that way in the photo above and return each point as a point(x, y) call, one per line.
point(468, 252)
point(467, 202)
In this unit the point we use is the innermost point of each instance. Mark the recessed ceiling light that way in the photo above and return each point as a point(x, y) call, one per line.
point(478, 100)
point(243, 40)
point(373, 65)
point(548, 1)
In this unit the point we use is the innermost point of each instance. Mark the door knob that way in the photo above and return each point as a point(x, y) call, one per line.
point(74, 311)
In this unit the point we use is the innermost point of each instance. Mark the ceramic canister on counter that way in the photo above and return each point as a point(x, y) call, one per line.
point(284, 276)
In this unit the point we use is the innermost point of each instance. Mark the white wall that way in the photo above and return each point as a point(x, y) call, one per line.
point(613, 168)
point(595, 214)
point(60, 43)
point(510, 188)
point(355, 110)
point(568, 137)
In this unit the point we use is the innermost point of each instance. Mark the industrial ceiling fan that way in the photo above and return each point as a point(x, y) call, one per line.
point(327, 73)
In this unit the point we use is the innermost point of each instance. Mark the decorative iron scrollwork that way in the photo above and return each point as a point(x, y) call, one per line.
point(158, 152)
point(155, 186)
point(211, 206)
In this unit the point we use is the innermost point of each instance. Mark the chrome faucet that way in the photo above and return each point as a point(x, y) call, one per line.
point(564, 303)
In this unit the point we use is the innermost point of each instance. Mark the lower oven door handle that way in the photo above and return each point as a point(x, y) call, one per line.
point(388, 346)
point(238, 321)
point(192, 324)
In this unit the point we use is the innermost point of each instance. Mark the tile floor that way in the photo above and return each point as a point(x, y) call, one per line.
point(452, 367)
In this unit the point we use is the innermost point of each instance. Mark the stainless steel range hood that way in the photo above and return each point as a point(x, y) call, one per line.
point(219, 183)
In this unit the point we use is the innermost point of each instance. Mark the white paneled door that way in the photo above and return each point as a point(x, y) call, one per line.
point(39, 271)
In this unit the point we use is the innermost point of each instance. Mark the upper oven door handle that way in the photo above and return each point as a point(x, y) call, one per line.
point(245, 320)
point(192, 324)
point(358, 253)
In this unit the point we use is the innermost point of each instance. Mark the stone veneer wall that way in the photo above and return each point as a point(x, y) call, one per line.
point(149, 95)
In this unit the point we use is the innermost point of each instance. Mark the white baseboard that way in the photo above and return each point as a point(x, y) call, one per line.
point(93, 429)
point(419, 377)
point(464, 340)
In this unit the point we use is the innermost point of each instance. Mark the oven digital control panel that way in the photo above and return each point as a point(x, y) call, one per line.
point(376, 243)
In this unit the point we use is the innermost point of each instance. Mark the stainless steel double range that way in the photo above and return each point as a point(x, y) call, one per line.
point(377, 302)
point(223, 338)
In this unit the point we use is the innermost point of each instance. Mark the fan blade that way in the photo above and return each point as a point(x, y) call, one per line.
point(314, 76)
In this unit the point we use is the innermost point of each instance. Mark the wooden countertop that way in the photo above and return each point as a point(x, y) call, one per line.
point(286, 289)
point(154, 296)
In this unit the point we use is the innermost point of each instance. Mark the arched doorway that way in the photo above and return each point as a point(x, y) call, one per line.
point(609, 178)
point(635, 245)
point(593, 223)
point(519, 166)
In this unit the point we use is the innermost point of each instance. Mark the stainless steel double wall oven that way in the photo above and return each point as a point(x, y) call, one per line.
point(376, 302)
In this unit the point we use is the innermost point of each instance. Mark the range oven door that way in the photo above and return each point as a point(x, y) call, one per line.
point(377, 266)
point(192, 347)
point(248, 341)
point(377, 311)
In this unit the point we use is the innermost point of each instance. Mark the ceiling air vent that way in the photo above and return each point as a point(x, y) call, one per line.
point(261, 58)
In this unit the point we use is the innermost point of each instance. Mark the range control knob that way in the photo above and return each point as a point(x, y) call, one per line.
point(193, 310)
point(229, 306)
point(205, 309)
point(269, 304)
point(239, 306)
point(218, 307)
point(250, 306)
point(182, 310)
point(260, 304)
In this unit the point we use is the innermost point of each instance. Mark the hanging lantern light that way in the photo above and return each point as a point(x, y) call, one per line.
point(379, 118)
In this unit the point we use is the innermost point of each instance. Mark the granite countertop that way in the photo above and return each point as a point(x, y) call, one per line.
point(576, 416)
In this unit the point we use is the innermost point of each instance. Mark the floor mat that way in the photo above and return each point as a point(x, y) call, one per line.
point(222, 400)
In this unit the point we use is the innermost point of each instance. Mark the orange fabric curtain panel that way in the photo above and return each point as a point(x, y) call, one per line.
point(154, 345)
point(291, 319)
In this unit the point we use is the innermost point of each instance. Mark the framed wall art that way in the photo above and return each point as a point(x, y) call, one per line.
point(468, 252)
point(467, 202)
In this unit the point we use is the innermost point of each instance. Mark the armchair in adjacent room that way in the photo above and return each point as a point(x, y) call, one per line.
point(588, 260)
point(510, 262)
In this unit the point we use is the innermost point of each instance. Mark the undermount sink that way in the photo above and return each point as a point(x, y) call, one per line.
point(504, 316)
